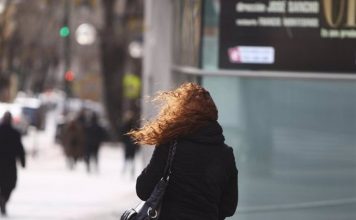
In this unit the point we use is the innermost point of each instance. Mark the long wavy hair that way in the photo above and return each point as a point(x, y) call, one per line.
point(182, 111)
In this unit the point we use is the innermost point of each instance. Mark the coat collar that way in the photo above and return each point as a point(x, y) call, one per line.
point(211, 133)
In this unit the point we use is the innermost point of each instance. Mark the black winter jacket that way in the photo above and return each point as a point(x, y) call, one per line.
point(11, 149)
point(203, 184)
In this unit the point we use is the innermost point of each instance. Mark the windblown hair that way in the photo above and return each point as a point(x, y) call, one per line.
point(182, 111)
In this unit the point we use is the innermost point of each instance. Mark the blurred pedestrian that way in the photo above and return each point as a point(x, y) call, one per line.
point(95, 135)
point(130, 147)
point(73, 139)
point(11, 149)
point(203, 182)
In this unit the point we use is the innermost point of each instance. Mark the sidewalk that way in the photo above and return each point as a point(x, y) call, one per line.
point(48, 190)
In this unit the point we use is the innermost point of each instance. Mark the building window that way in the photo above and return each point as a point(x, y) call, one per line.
point(187, 36)
point(210, 36)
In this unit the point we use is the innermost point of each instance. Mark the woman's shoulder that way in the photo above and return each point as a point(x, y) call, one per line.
point(161, 149)
point(228, 155)
point(227, 149)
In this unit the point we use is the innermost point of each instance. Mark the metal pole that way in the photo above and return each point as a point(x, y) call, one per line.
point(67, 49)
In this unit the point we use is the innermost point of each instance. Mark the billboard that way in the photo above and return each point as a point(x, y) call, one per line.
point(288, 35)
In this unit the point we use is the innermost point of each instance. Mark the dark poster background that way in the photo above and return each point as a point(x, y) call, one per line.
point(296, 48)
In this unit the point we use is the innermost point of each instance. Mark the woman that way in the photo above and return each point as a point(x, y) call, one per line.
point(11, 150)
point(203, 184)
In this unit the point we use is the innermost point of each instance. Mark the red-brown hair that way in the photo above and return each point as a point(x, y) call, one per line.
point(183, 110)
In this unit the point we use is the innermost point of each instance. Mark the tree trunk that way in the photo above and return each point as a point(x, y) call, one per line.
point(113, 55)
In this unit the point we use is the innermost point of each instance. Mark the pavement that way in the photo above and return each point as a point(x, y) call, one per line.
point(47, 189)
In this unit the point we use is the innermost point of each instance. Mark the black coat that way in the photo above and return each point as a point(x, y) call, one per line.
point(95, 135)
point(11, 149)
point(203, 184)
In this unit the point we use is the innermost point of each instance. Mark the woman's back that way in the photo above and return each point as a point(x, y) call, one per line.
point(203, 184)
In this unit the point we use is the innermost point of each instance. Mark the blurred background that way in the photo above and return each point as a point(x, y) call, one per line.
point(280, 72)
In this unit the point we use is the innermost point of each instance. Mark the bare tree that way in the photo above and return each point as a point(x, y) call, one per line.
point(6, 32)
point(37, 47)
point(29, 42)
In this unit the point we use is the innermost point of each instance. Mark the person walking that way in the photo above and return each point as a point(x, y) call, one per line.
point(130, 147)
point(74, 141)
point(95, 135)
point(11, 149)
point(203, 183)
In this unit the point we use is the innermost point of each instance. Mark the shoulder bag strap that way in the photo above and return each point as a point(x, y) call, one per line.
point(168, 167)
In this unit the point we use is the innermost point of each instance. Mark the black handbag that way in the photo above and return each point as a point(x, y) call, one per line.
point(150, 209)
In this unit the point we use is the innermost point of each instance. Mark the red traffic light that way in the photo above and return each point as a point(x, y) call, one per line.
point(69, 75)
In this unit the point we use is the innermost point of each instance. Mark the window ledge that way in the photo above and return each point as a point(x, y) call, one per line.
point(263, 74)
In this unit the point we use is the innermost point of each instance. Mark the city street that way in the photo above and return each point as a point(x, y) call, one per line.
point(47, 189)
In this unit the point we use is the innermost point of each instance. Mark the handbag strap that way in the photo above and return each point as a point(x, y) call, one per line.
point(168, 167)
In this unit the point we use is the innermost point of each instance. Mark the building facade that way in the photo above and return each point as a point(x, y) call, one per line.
point(293, 128)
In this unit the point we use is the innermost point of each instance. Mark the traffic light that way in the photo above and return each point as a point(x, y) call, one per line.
point(68, 80)
point(64, 31)
point(69, 76)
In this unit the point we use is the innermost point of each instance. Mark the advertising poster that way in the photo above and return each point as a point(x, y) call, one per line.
point(288, 35)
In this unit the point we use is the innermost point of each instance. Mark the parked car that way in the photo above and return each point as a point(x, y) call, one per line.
point(33, 110)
